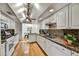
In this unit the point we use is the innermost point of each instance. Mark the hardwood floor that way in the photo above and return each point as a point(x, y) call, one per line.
point(35, 50)
point(24, 48)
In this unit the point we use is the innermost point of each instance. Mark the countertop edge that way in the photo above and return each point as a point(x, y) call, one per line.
point(59, 44)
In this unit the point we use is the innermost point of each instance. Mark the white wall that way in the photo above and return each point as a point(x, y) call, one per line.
point(33, 30)
point(18, 29)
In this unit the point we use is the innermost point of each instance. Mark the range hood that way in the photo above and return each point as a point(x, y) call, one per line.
point(51, 24)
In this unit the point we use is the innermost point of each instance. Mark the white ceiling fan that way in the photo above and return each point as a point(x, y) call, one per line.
point(28, 18)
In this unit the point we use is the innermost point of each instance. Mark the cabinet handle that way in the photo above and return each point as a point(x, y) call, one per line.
point(72, 53)
point(62, 49)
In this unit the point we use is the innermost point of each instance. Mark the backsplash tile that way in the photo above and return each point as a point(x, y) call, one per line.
point(74, 32)
point(61, 32)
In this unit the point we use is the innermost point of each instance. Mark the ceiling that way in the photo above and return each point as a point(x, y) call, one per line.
point(38, 10)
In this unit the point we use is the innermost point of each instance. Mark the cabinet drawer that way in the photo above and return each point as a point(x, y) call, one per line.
point(75, 54)
point(62, 49)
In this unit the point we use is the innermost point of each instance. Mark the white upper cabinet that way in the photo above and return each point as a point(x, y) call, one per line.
point(6, 20)
point(53, 18)
point(74, 16)
point(42, 24)
point(32, 37)
point(12, 24)
point(68, 17)
point(62, 18)
point(65, 18)
point(45, 22)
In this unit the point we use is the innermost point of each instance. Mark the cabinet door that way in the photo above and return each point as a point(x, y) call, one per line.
point(38, 38)
point(62, 49)
point(62, 18)
point(43, 24)
point(48, 47)
point(74, 16)
point(52, 50)
point(56, 52)
point(41, 42)
point(12, 24)
point(16, 39)
point(40, 25)
point(5, 20)
point(46, 21)
point(3, 49)
point(75, 54)
point(32, 37)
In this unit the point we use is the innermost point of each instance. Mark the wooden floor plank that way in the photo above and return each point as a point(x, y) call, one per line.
point(34, 49)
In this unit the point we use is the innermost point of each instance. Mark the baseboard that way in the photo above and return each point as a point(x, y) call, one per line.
point(32, 42)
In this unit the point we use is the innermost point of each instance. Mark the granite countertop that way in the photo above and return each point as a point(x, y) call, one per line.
point(60, 41)
point(7, 37)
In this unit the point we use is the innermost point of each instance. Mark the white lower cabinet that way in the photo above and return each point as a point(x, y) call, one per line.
point(40, 41)
point(54, 49)
point(32, 37)
point(75, 54)
point(56, 52)
point(48, 47)
point(11, 43)
point(3, 49)
point(51, 48)
point(16, 39)
point(59, 50)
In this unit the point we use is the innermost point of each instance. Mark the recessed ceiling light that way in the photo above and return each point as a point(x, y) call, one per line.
point(19, 4)
point(21, 10)
point(40, 18)
point(51, 10)
point(30, 25)
point(37, 5)
point(27, 20)
point(23, 15)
